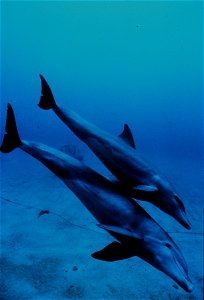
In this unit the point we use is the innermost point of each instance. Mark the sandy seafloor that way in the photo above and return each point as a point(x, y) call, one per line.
point(49, 257)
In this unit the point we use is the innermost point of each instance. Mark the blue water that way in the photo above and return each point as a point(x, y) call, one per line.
point(135, 62)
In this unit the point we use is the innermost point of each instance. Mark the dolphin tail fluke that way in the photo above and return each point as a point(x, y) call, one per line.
point(11, 138)
point(47, 100)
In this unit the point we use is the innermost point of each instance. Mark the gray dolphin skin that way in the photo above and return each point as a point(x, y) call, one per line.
point(119, 155)
point(137, 234)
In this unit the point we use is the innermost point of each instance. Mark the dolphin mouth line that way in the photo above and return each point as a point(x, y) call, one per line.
point(181, 270)
point(186, 284)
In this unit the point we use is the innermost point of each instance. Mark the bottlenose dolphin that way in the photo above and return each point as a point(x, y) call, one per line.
point(118, 154)
point(137, 234)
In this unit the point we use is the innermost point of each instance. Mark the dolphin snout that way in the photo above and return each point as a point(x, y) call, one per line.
point(185, 222)
point(183, 279)
point(187, 285)
point(189, 288)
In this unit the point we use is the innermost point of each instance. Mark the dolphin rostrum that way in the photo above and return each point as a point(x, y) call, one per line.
point(119, 155)
point(137, 234)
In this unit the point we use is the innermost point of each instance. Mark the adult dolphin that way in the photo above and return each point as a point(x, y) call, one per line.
point(136, 232)
point(118, 154)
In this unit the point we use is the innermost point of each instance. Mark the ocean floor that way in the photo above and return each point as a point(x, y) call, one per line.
point(48, 256)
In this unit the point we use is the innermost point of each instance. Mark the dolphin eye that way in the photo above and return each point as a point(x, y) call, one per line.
point(168, 245)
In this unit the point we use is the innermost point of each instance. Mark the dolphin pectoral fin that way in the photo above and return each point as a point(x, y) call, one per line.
point(147, 188)
point(127, 136)
point(113, 252)
point(121, 231)
point(144, 192)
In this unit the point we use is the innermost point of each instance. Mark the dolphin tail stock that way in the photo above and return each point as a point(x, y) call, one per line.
point(11, 138)
point(47, 100)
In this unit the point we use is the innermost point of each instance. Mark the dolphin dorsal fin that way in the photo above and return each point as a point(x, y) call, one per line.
point(122, 231)
point(127, 136)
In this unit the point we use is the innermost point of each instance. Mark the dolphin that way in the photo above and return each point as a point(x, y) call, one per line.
point(119, 155)
point(136, 233)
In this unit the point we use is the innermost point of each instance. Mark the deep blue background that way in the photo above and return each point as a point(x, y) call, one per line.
point(112, 62)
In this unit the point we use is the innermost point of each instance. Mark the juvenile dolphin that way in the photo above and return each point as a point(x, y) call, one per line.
point(137, 234)
point(119, 155)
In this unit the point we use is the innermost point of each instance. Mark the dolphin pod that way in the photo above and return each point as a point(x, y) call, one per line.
point(135, 231)
point(119, 155)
